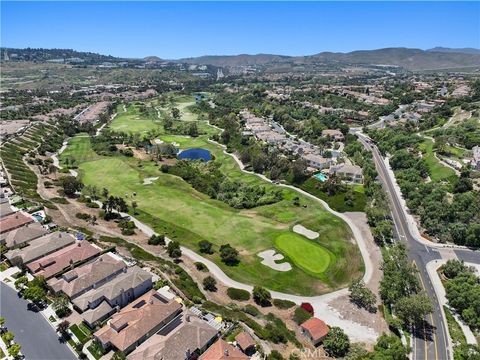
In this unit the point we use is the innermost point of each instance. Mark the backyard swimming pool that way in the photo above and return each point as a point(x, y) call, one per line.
point(195, 154)
point(321, 176)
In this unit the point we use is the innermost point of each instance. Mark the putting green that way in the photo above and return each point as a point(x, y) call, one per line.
point(304, 253)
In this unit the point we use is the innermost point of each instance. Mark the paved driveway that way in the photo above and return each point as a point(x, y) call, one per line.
point(38, 338)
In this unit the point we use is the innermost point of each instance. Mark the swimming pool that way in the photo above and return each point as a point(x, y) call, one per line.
point(320, 176)
point(195, 154)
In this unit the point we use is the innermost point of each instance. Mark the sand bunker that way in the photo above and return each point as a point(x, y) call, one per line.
point(302, 230)
point(269, 257)
point(150, 180)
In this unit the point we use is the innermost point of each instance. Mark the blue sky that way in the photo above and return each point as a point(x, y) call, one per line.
point(182, 29)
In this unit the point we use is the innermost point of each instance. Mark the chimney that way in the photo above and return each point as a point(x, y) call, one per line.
point(125, 269)
point(187, 318)
point(59, 235)
point(226, 353)
point(187, 354)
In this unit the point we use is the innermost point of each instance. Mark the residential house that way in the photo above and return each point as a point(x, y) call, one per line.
point(137, 322)
point(100, 302)
point(315, 330)
point(184, 338)
point(39, 247)
point(22, 235)
point(317, 161)
point(222, 350)
point(271, 137)
point(351, 173)
point(83, 278)
point(246, 343)
point(336, 135)
point(60, 260)
point(5, 209)
point(14, 221)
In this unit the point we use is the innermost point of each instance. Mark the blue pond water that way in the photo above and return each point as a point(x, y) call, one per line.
point(195, 154)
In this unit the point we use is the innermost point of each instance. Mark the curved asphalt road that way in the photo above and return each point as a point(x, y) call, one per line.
point(38, 338)
point(432, 342)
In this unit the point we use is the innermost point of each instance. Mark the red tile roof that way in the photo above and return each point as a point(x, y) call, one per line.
point(222, 350)
point(50, 265)
point(244, 340)
point(14, 221)
point(316, 327)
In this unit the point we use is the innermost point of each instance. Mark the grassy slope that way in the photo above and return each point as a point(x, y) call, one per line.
point(438, 172)
point(172, 206)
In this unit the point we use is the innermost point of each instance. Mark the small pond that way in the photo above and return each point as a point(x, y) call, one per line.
point(195, 154)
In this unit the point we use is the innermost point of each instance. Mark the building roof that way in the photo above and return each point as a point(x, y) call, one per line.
point(14, 221)
point(344, 168)
point(129, 279)
point(187, 334)
point(50, 265)
point(100, 312)
point(222, 350)
point(136, 320)
point(244, 340)
point(86, 276)
point(22, 234)
point(42, 246)
point(316, 327)
point(5, 209)
point(331, 132)
point(316, 158)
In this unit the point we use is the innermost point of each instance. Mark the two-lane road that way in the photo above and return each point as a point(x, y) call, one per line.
point(431, 342)
point(38, 339)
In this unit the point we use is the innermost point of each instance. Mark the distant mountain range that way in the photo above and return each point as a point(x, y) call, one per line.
point(411, 59)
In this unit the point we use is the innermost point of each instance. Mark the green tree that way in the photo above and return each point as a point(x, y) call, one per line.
point(62, 327)
point(229, 255)
point(413, 309)
point(210, 284)
point(35, 294)
point(173, 249)
point(61, 306)
point(2, 321)
point(454, 267)
point(262, 296)
point(134, 207)
point(388, 347)
point(8, 337)
point(71, 185)
point(361, 295)
point(176, 113)
point(118, 355)
point(14, 350)
point(205, 247)
point(336, 343)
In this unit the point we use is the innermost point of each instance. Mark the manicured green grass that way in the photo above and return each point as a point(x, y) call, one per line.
point(305, 253)
point(438, 172)
point(96, 350)
point(133, 121)
point(171, 206)
point(80, 333)
point(78, 149)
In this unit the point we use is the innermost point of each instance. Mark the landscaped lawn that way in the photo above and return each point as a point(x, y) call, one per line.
point(96, 350)
point(438, 172)
point(172, 206)
point(81, 332)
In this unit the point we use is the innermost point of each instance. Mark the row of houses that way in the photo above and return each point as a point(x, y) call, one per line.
point(272, 133)
point(112, 295)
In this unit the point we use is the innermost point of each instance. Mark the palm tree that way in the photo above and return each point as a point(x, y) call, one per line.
point(62, 328)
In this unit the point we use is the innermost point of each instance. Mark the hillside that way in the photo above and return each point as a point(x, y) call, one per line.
point(456, 50)
point(412, 59)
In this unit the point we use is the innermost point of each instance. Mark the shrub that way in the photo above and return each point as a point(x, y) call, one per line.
point(283, 304)
point(301, 315)
point(201, 266)
point(261, 296)
point(156, 240)
point(307, 307)
point(252, 310)
point(210, 284)
point(238, 294)
point(205, 247)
